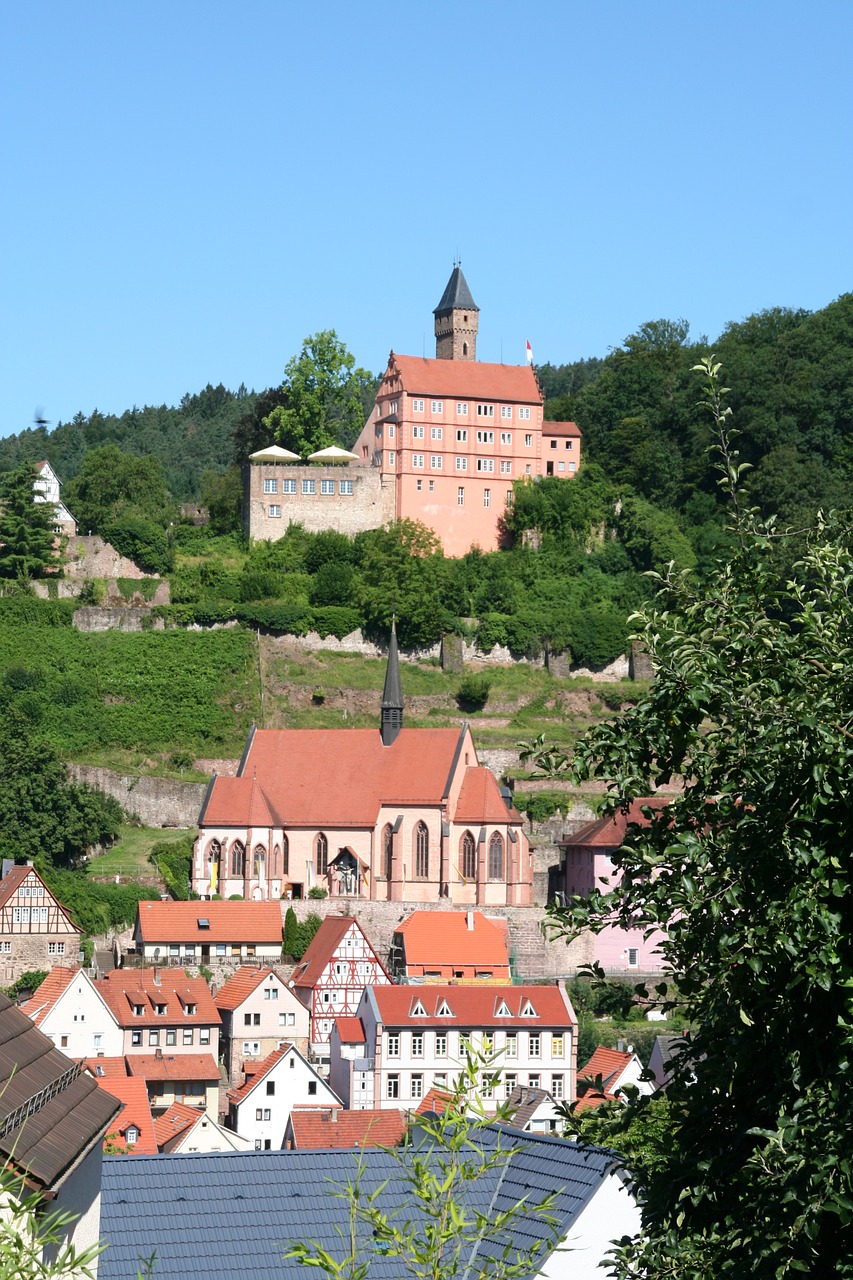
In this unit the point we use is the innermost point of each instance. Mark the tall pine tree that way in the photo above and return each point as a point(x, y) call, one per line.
point(27, 534)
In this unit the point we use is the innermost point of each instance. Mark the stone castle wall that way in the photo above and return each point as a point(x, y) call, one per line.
point(368, 506)
point(157, 802)
point(91, 557)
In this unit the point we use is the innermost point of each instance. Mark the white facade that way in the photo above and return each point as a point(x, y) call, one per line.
point(80, 1023)
point(260, 1110)
point(257, 1026)
point(207, 1135)
point(610, 1213)
point(337, 990)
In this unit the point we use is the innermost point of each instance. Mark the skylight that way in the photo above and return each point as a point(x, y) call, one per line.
point(203, 923)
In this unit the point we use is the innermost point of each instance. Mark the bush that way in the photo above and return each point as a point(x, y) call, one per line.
point(174, 863)
point(317, 891)
point(474, 690)
point(335, 620)
point(540, 805)
point(143, 542)
point(27, 982)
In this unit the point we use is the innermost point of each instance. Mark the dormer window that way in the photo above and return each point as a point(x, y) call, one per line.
point(131, 1135)
point(138, 1010)
point(502, 1010)
point(203, 923)
point(160, 1010)
point(528, 1011)
point(189, 1009)
point(418, 1010)
point(444, 1010)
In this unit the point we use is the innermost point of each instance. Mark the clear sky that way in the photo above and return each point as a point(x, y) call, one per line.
point(190, 188)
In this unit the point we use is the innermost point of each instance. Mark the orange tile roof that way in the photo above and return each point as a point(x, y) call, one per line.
point(480, 799)
point(110, 1068)
point(243, 795)
point(233, 922)
point(609, 833)
point(48, 992)
point(436, 1100)
point(173, 1066)
point(122, 989)
point(136, 1111)
point(263, 1068)
point(607, 1063)
point(13, 880)
point(239, 987)
point(472, 1006)
point(322, 947)
point(467, 379)
point(174, 1123)
point(443, 937)
point(350, 1030)
point(561, 429)
point(315, 1130)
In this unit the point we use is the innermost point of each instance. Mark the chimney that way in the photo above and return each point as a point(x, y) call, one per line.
point(157, 977)
point(333, 1115)
point(470, 920)
point(158, 1053)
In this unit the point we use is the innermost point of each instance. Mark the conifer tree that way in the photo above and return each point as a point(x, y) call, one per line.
point(26, 527)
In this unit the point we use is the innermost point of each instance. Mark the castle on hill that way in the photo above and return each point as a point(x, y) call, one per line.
point(443, 444)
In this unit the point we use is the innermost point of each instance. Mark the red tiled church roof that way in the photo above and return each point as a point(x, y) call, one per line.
point(480, 799)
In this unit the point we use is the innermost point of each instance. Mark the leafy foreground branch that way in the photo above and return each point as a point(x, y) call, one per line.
point(438, 1214)
point(749, 872)
point(33, 1244)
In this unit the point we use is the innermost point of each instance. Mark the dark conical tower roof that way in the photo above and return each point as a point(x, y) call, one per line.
point(456, 296)
point(391, 721)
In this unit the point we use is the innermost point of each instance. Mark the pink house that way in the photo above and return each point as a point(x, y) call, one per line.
point(587, 863)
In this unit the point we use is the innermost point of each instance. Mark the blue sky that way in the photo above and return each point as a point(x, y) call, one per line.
point(192, 188)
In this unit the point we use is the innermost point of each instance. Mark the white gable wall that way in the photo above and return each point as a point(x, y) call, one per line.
point(612, 1212)
point(81, 1025)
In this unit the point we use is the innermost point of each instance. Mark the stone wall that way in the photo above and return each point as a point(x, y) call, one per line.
point(368, 506)
point(115, 618)
point(91, 557)
point(157, 802)
point(72, 588)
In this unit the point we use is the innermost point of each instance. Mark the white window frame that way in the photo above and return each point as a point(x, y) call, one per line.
point(506, 411)
point(327, 487)
point(288, 486)
point(461, 464)
point(460, 496)
point(435, 433)
point(270, 486)
point(487, 497)
point(345, 487)
point(417, 460)
point(418, 432)
point(485, 410)
point(437, 406)
point(309, 486)
point(486, 464)
point(461, 409)
point(417, 406)
point(524, 412)
point(435, 461)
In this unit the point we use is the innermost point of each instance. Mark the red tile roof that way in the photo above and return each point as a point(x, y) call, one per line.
point(174, 1123)
point(135, 1112)
point(173, 1066)
point(48, 992)
point(13, 880)
point(243, 795)
point(110, 1068)
point(443, 938)
point(467, 379)
point(472, 1006)
point(350, 1030)
point(480, 799)
point(263, 1068)
point(123, 989)
point(609, 1064)
point(239, 987)
point(561, 429)
point(315, 1130)
point(322, 948)
point(609, 833)
point(436, 1100)
point(234, 922)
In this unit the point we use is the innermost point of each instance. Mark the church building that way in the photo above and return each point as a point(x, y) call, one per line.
point(388, 813)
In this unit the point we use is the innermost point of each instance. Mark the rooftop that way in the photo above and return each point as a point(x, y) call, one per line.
point(444, 938)
point(200, 922)
point(333, 1128)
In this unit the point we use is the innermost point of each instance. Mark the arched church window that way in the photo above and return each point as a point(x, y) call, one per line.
point(285, 847)
point(421, 851)
point(238, 859)
point(276, 860)
point(496, 857)
point(259, 861)
point(469, 857)
point(388, 849)
point(321, 854)
point(214, 852)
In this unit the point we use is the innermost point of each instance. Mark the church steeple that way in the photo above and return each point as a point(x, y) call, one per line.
point(392, 695)
point(457, 317)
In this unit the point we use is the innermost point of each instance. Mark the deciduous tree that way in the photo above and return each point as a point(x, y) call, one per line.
point(324, 397)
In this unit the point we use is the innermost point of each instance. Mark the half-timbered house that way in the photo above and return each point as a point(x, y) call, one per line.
point(36, 931)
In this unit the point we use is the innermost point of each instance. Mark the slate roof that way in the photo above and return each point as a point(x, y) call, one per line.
point(472, 1006)
point(226, 1214)
point(466, 380)
point(239, 987)
point(234, 922)
point(51, 1114)
point(443, 938)
point(457, 295)
point(123, 989)
point(48, 992)
point(525, 1102)
point(332, 1128)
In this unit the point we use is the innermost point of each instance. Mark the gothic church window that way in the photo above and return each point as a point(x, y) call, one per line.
point(238, 859)
point(469, 857)
point(421, 851)
point(496, 857)
point(321, 851)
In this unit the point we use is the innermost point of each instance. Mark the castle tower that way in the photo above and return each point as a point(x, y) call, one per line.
point(391, 721)
point(456, 321)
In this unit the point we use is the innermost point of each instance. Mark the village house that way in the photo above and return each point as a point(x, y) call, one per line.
point(458, 946)
point(36, 932)
point(207, 933)
point(443, 444)
point(393, 813)
point(617, 1069)
point(535, 1111)
point(132, 1131)
point(182, 1129)
point(332, 975)
point(586, 863)
point(70, 1008)
point(258, 1011)
point(46, 488)
point(259, 1109)
point(161, 1009)
point(191, 1078)
point(407, 1040)
point(330, 1128)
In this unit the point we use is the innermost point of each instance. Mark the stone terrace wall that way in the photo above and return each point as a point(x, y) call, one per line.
point(91, 557)
point(157, 802)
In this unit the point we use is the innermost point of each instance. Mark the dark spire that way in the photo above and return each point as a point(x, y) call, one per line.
point(392, 695)
point(457, 295)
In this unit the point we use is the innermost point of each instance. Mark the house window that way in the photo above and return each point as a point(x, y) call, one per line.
point(437, 406)
point(417, 1086)
point(393, 1046)
point(533, 1082)
point(496, 857)
point(524, 412)
point(421, 851)
point(535, 1044)
point(63, 1042)
point(553, 444)
point(270, 993)
point(391, 457)
point(312, 1088)
point(509, 1085)
point(393, 1087)
point(435, 433)
point(288, 486)
point(256, 1019)
point(274, 511)
point(435, 461)
point(417, 1044)
point(53, 948)
point(506, 437)
point(345, 486)
point(572, 466)
point(461, 435)
point(417, 459)
point(633, 957)
point(388, 849)
point(172, 1037)
point(321, 855)
point(556, 1046)
point(556, 1087)
point(511, 1044)
point(189, 1035)
point(506, 467)
point(506, 411)
point(485, 464)
point(247, 1019)
point(468, 860)
point(418, 432)
point(527, 469)
point(528, 440)
point(417, 406)
point(153, 1037)
point(393, 406)
point(461, 409)
point(441, 1044)
point(136, 1038)
point(327, 486)
point(487, 1087)
point(270, 1088)
point(461, 464)
point(485, 437)
point(98, 1040)
point(309, 486)
point(420, 485)
point(251, 1048)
point(485, 410)
point(6, 947)
point(238, 859)
point(270, 486)
point(487, 497)
point(20, 915)
point(460, 497)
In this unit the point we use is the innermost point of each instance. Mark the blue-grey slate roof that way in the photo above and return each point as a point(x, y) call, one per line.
point(456, 296)
point(235, 1214)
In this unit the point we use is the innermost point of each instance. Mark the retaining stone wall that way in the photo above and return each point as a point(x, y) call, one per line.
point(157, 802)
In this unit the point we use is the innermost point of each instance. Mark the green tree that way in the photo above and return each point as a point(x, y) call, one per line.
point(403, 572)
point(748, 871)
point(324, 397)
point(33, 1238)
point(26, 528)
point(222, 494)
point(113, 486)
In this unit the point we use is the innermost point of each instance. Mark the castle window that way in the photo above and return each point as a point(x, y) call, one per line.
point(321, 854)
point(524, 412)
point(288, 486)
point(461, 435)
point(53, 948)
point(506, 410)
point(418, 432)
point(487, 497)
point(309, 486)
point(432, 486)
point(485, 464)
point(496, 857)
point(461, 464)
point(485, 437)
point(435, 433)
point(327, 486)
point(345, 486)
point(238, 858)
point(388, 849)
point(435, 461)
point(485, 410)
point(506, 468)
point(568, 444)
point(421, 851)
point(417, 459)
point(275, 511)
point(469, 857)
point(506, 437)
point(462, 409)
point(437, 406)
point(417, 406)
point(460, 497)
point(465, 345)
point(420, 485)
point(270, 486)
point(391, 456)
point(528, 440)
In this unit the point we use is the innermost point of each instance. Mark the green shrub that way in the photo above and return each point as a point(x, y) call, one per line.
point(334, 620)
point(317, 891)
point(28, 981)
point(173, 861)
point(539, 806)
point(473, 692)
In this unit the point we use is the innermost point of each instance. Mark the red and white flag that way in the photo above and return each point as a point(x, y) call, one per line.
point(529, 352)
